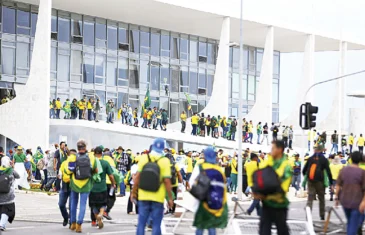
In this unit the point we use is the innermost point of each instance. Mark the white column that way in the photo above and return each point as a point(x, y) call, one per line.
point(219, 96)
point(25, 119)
point(262, 110)
point(341, 95)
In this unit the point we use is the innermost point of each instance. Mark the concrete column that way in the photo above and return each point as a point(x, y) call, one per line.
point(341, 95)
point(3, 142)
point(262, 110)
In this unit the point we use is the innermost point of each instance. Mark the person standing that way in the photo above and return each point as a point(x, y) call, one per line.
point(259, 132)
point(350, 192)
point(212, 213)
point(336, 166)
point(151, 201)
point(275, 206)
point(234, 174)
point(291, 136)
point(194, 123)
point(297, 166)
point(90, 109)
point(98, 197)
point(149, 117)
point(223, 124)
point(251, 167)
point(164, 119)
point(123, 166)
point(107, 156)
point(189, 168)
point(128, 180)
point(67, 109)
point(233, 129)
point(360, 143)
point(58, 108)
point(314, 169)
point(74, 109)
point(97, 110)
point(266, 134)
point(351, 141)
point(275, 131)
point(183, 121)
point(207, 125)
point(19, 160)
point(176, 178)
point(286, 136)
point(250, 132)
point(81, 184)
point(334, 142)
point(59, 157)
point(82, 106)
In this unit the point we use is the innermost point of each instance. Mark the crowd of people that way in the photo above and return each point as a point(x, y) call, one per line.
point(100, 174)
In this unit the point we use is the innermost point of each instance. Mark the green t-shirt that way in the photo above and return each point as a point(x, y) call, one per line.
point(164, 116)
point(19, 158)
point(101, 186)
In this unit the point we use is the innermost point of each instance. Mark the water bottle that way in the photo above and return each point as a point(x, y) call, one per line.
point(111, 191)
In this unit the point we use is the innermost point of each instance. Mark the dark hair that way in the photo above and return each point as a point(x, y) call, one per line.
point(253, 156)
point(1, 150)
point(279, 144)
point(98, 150)
point(335, 131)
point(356, 157)
point(62, 142)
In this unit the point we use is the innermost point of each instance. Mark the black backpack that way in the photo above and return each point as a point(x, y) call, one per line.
point(150, 176)
point(173, 168)
point(5, 183)
point(266, 181)
point(82, 167)
point(315, 172)
point(200, 189)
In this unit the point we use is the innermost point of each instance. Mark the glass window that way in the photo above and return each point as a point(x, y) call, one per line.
point(133, 76)
point(175, 48)
point(89, 33)
point(155, 44)
point(23, 18)
point(134, 103)
point(88, 68)
point(252, 59)
point(22, 55)
point(165, 78)
point(53, 58)
point(145, 74)
point(111, 77)
point(251, 87)
point(201, 105)
point(8, 20)
point(184, 78)
point(112, 38)
point(145, 42)
point(175, 80)
point(8, 60)
point(235, 83)
point(101, 96)
point(63, 67)
point(155, 78)
point(230, 56)
point(100, 35)
point(211, 53)
point(122, 72)
point(210, 81)
point(275, 93)
point(34, 23)
point(76, 57)
point(174, 112)
point(193, 50)
point(202, 83)
point(134, 42)
point(165, 45)
point(54, 23)
point(236, 57)
point(244, 88)
point(100, 69)
point(193, 85)
point(184, 49)
point(202, 49)
point(245, 58)
point(63, 29)
point(76, 28)
point(259, 57)
point(122, 98)
point(276, 63)
point(123, 35)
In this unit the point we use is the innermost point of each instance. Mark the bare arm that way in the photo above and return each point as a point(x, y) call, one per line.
point(179, 176)
point(167, 182)
point(111, 177)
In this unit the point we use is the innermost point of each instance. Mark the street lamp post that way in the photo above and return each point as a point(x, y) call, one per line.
point(239, 188)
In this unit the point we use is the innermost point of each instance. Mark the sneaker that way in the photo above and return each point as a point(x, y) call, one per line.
point(131, 213)
point(106, 216)
point(65, 222)
point(2, 228)
point(120, 195)
point(100, 221)
point(322, 218)
point(149, 228)
point(93, 223)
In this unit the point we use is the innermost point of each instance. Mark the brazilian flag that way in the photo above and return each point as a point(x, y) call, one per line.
point(188, 99)
point(147, 101)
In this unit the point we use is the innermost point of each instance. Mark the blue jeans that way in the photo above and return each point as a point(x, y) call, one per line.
point(144, 124)
point(225, 129)
point(296, 182)
point(74, 202)
point(122, 185)
point(255, 205)
point(52, 113)
point(211, 231)
point(332, 192)
point(334, 147)
point(250, 136)
point(258, 138)
point(63, 196)
point(145, 209)
point(229, 184)
point(354, 219)
point(194, 129)
point(233, 135)
point(109, 117)
point(123, 117)
point(159, 123)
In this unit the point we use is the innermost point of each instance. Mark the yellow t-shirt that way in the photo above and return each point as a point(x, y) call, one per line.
point(207, 122)
point(81, 105)
point(251, 167)
point(250, 128)
point(335, 170)
point(89, 105)
point(360, 141)
point(149, 115)
point(234, 166)
point(183, 117)
point(165, 172)
point(65, 177)
point(177, 178)
point(58, 104)
point(362, 165)
point(112, 164)
point(194, 119)
point(189, 164)
point(200, 161)
point(351, 140)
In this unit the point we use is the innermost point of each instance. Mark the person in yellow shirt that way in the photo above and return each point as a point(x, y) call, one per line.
point(149, 117)
point(135, 117)
point(351, 141)
point(177, 178)
point(82, 106)
point(335, 168)
point(183, 121)
point(207, 124)
point(189, 168)
point(360, 143)
point(151, 204)
point(224, 127)
point(107, 156)
point(58, 108)
point(234, 172)
point(251, 167)
point(250, 132)
point(90, 106)
point(194, 123)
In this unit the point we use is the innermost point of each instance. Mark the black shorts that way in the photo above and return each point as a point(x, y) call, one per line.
point(149, 121)
point(188, 175)
point(9, 210)
point(98, 199)
point(164, 122)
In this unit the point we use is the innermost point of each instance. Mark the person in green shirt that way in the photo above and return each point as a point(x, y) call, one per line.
point(164, 119)
point(98, 197)
point(19, 159)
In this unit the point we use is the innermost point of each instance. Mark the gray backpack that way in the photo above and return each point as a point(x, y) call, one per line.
point(82, 167)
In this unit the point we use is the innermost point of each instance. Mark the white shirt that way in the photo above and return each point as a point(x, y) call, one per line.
point(134, 170)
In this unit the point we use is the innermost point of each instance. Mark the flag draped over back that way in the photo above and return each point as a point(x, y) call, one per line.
point(147, 101)
point(188, 99)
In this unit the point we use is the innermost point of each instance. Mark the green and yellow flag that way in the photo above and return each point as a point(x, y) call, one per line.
point(188, 99)
point(147, 101)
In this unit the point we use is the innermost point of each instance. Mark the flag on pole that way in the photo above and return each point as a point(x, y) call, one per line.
point(147, 101)
point(188, 99)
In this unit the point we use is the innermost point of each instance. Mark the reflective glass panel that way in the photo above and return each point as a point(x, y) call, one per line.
point(100, 62)
point(211, 53)
point(193, 50)
point(53, 59)
point(112, 73)
point(23, 21)
point(275, 93)
point(8, 22)
point(145, 72)
point(34, 23)
point(63, 29)
point(133, 76)
point(276, 64)
point(165, 45)
point(8, 60)
point(89, 33)
point(236, 57)
point(193, 85)
point(202, 80)
point(112, 38)
point(251, 88)
point(88, 68)
point(54, 24)
point(22, 55)
point(175, 80)
point(100, 34)
point(175, 48)
point(235, 83)
point(184, 78)
point(101, 96)
point(122, 98)
point(145, 42)
point(244, 88)
point(210, 80)
point(63, 64)
point(155, 78)
point(134, 42)
point(184, 49)
point(123, 36)
point(76, 67)
point(259, 61)
point(123, 68)
point(174, 112)
point(155, 44)
point(165, 78)
point(202, 49)
point(76, 27)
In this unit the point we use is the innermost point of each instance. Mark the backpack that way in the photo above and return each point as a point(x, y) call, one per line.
point(266, 181)
point(40, 164)
point(200, 188)
point(315, 170)
point(213, 123)
point(5, 183)
point(173, 168)
point(82, 167)
point(150, 176)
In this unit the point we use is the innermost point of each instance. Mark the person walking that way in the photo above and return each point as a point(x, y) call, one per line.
point(314, 169)
point(128, 180)
point(212, 213)
point(336, 166)
point(65, 191)
point(360, 143)
point(297, 166)
point(234, 173)
point(97, 110)
point(135, 117)
point(207, 125)
point(233, 129)
point(152, 192)
point(266, 134)
point(123, 166)
point(52, 107)
point(291, 136)
point(350, 192)
point(81, 184)
point(111, 198)
point(194, 123)
point(59, 157)
point(275, 206)
point(251, 167)
point(98, 197)
point(334, 142)
point(164, 119)
point(351, 141)
point(19, 160)
point(58, 108)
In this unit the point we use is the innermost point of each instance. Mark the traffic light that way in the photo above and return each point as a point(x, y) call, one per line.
point(307, 118)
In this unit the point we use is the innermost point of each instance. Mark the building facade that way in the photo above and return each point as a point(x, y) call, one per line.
point(107, 59)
